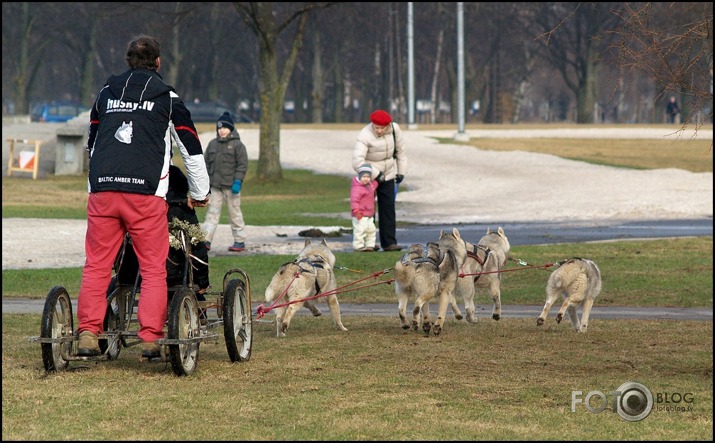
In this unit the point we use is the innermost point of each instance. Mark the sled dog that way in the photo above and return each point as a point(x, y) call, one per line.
point(578, 281)
point(482, 269)
point(452, 253)
point(312, 272)
point(417, 273)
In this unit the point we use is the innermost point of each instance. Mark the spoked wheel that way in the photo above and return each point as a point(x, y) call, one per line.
point(183, 325)
point(237, 321)
point(115, 319)
point(57, 323)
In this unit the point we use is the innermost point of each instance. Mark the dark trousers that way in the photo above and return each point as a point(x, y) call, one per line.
point(386, 213)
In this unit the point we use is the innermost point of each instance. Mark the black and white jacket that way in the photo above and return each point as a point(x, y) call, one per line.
point(132, 125)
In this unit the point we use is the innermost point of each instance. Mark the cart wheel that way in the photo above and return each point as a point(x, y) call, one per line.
point(184, 324)
point(113, 321)
point(237, 321)
point(57, 322)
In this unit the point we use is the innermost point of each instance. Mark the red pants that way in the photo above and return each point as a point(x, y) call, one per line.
point(109, 216)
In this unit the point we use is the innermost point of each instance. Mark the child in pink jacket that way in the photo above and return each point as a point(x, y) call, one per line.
point(362, 206)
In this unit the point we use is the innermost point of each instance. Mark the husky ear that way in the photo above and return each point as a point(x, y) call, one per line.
point(307, 242)
point(441, 233)
point(455, 232)
point(324, 243)
point(500, 231)
point(489, 230)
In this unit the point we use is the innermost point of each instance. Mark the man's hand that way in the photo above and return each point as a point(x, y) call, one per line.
point(192, 203)
point(399, 178)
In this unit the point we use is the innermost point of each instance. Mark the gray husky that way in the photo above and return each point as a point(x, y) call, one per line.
point(312, 272)
point(452, 253)
point(578, 281)
point(482, 269)
point(417, 273)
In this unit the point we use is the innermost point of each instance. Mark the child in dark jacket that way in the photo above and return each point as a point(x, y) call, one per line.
point(176, 197)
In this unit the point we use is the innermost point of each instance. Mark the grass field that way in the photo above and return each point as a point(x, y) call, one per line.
point(506, 380)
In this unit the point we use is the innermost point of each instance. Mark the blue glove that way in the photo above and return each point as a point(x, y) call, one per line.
point(399, 178)
point(236, 188)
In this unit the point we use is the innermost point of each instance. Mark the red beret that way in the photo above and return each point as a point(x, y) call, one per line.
point(380, 118)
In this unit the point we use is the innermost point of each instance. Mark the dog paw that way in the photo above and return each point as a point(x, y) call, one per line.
point(415, 325)
point(559, 317)
point(539, 321)
point(496, 317)
point(405, 326)
point(458, 316)
point(317, 314)
point(427, 327)
point(437, 330)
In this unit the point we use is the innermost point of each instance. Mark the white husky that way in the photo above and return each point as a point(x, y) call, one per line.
point(578, 281)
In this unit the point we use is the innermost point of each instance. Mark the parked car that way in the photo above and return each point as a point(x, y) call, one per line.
point(209, 112)
point(56, 112)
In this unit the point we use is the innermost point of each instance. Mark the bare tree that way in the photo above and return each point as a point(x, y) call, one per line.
point(672, 43)
point(27, 58)
point(573, 35)
point(263, 20)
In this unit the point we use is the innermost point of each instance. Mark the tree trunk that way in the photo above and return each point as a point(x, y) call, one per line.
point(271, 85)
point(318, 92)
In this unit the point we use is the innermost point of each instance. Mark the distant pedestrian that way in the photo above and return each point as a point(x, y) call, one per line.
point(362, 209)
point(227, 163)
point(672, 110)
point(380, 144)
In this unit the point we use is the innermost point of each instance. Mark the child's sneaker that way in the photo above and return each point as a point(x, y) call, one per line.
point(88, 345)
point(237, 247)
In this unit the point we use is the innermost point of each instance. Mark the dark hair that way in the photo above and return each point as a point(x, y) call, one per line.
point(142, 52)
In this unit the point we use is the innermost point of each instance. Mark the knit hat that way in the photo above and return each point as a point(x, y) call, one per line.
point(380, 118)
point(225, 121)
point(364, 169)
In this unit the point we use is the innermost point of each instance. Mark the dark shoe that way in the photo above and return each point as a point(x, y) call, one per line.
point(208, 245)
point(394, 247)
point(150, 350)
point(366, 249)
point(237, 247)
point(88, 345)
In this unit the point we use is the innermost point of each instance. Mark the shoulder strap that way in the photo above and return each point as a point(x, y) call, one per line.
point(394, 142)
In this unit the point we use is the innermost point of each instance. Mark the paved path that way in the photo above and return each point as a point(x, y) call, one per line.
point(34, 306)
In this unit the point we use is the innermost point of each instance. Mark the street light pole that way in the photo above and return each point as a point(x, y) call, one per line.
point(460, 135)
point(410, 68)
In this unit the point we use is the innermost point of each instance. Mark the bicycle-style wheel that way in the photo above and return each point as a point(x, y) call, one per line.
point(57, 324)
point(184, 325)
point(237, 321)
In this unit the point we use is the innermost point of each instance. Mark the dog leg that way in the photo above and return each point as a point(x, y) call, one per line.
point(444, 299)
point(468, 297)
point(402, 309)
point(335, 312)
point(313, 308)
point(550, 299)
point(495, 294)
point(587, 305)
point(416, 314)
point(280, 312)
point(573, 316)
point(290, 311)
point(567, 302)
point(455, 308)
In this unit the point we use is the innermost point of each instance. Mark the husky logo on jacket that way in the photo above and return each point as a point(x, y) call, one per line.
point(124, 133)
